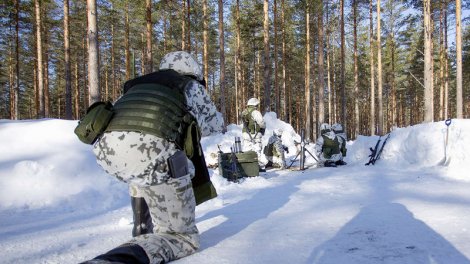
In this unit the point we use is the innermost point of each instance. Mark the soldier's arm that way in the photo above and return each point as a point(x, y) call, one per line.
point(210, 121)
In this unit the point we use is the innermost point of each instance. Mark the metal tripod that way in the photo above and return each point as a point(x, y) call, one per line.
point(302, 151)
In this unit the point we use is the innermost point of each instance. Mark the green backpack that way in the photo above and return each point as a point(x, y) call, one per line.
point(95, 121)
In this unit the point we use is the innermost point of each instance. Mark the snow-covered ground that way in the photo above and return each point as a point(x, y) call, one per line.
point(58, 206)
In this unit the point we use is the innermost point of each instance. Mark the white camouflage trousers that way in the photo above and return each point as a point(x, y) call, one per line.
point(141, 160)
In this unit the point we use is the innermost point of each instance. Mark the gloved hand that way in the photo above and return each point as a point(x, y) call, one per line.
point(286, 149)
point(262, 130)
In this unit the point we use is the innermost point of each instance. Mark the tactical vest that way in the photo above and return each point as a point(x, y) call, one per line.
point(156, 104)
point(249, 124)
point(156, 109)
point(330, 146)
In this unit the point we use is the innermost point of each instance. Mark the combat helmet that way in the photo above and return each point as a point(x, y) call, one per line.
point(253, 102)
point(182, 62)
point(325, 128)
point(337, 128)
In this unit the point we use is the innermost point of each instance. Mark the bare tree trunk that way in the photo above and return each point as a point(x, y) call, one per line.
point(372, 74)
point(16, 90)
point(267, 62)
point(441, 61)
point(238, 68)
point(284, 86)
point(113, 65)
point(47, 104)
point(328, 68)
point(68, 73)
point(321, 82)
point(126, 42)
point(222, 60)
point(379, 73)
point(76, 92)
point(458, 46)
point(93, 53)
point(206, 40)
point(307, 116)
point(343, 78)
point(356, 75)
point(276, 87)
point(41, 110)
point(428, 81)
point(188, 21)
point(149, 62)
point(183, 26)
point(446, 58)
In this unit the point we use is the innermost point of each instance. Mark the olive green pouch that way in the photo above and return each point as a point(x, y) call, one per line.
point(95, 121)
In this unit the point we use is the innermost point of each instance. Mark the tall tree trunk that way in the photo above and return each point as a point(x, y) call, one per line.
point(238, 65)
point(343, 78)
point(222, 60)
point(356, 75)
point(41, 110)
point(47, 103)
point(428, 69)
point(379, 73)
point(276, 86)
point(188, 21)
point(113, 65)
point(321, 82)
point(458, 47)
point(328, 68)
point(307, 115)
point(267, 62)
point(284, 63)
point(149, 62)
point(68, 73)
point(183, 25)
point(16, 90)
point(441, 60)
point(372, 74)
point(76, 93)
point(126, 41)
point(446, 70)
point(206, 40)
point(93, 53)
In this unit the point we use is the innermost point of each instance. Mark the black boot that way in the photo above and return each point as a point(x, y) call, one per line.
point(341, 162)
point(142, 219)
point(268, 165)
point(330, 163)
point(126, 253)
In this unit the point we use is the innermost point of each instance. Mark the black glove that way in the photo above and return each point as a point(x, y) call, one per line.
point(262, 130)
point(286, 149)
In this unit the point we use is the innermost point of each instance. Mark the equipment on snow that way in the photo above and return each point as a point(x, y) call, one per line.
point(302, 151)
point(376, 152)
point(445, 161)
point(234, 166)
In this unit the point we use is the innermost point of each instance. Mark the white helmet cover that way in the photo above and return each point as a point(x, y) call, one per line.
point(253, 102)
point(324, 126)
point(182, 62)
point(337, 127)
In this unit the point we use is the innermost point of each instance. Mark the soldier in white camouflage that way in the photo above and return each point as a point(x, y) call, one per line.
point(154, 121)
point(253, 127)
point(274, 150)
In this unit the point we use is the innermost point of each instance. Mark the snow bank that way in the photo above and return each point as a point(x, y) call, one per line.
point(43, 164)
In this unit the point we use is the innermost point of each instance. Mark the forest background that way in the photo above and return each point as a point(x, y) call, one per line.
point(369, 65)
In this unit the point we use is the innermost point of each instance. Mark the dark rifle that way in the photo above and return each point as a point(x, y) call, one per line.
point(373, 153)
point(377, 157)
point(234, 166)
